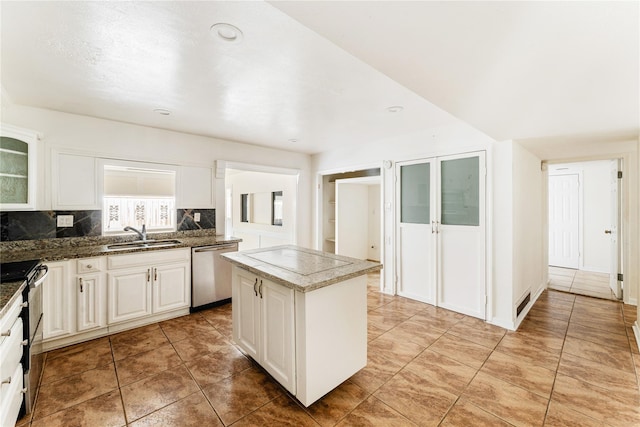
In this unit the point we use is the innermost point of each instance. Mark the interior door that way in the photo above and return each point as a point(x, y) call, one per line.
point(416, 240)
point(461, 234)
point(564, 221)
point(614, 284)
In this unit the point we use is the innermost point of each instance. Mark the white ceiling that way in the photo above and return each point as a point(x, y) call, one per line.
point(513, 70)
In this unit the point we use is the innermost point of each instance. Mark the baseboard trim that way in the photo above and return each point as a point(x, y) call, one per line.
point(636, 332)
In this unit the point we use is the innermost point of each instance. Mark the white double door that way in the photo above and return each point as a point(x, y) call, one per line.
point(441, 232)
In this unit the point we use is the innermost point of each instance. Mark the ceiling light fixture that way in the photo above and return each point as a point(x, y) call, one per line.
point(293, 140)
point(227, 32)
point(162, 111)
point(395, 109)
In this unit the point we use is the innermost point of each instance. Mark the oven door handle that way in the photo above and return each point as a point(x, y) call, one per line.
point(41, 276)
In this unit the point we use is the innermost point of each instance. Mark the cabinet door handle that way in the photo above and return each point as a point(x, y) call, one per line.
point(260, 289)
point(254, 286)
point(7, 381)
point(81, 285)
point(8, 332)
point(155, 274)
point(24, 343)
point(148, 274)
point(25, 304)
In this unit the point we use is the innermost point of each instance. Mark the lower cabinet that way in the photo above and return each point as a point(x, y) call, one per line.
point(264, 325)
point(82, 298)
point(310, 342)
point(58, 305)
point(148, 283)
point(91, 294)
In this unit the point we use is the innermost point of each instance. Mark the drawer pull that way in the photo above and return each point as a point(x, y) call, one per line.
point(6, 334)
point(89, 266)
point(7, 381)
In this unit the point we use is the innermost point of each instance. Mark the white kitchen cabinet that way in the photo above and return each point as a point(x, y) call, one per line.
point(11, 378)
point(18, 168)
point(58, 306)
point(129, 294)
point(91, 301)
point(91, 294)
point(75, 182)
point(171, 287)
point(147, 283)
point(196, 188)
point(264, 325)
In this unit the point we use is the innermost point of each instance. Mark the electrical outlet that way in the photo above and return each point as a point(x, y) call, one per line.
point(64, 220)
point(196, 217)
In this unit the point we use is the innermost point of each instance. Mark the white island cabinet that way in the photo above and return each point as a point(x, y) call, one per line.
point(302, 315)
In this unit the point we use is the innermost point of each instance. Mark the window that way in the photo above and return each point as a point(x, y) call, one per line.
point(135, 196)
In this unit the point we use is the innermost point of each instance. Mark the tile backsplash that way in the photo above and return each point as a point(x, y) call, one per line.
point(37, 225)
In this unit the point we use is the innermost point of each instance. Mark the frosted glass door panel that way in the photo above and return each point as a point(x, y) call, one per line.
point(414, 194)
point(14, 170)
point(460, 191)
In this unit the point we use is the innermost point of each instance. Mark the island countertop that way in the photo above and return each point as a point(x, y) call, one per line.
point(300, 268)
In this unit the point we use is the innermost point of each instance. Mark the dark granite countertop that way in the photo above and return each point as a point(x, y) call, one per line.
point(299, 268)
point(8, 294)
point(76, 248)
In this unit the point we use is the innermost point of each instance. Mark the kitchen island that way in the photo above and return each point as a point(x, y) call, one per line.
point(302, 315)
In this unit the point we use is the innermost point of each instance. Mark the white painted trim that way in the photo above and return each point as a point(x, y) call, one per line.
point(636, 332)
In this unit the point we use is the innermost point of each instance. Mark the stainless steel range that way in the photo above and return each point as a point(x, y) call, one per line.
point(32, 359)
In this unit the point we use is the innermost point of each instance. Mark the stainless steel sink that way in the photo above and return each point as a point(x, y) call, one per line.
point(139, 244)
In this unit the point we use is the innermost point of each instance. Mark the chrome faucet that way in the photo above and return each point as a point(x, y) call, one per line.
point(142, 234)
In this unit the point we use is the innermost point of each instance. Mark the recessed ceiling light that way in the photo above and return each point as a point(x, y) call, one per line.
point(293, 140)
point(227, 32)
point(162, 111)
point(395, 109)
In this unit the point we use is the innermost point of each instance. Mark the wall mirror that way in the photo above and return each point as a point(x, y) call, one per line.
point(262, 208)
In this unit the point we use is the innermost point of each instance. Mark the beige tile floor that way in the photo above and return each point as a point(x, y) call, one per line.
point(573, 362)
point(580, 282)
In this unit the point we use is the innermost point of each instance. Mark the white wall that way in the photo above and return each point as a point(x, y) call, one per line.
point(352, 219)
point(501, 301)
point(132, 142)
point(261, 235)
point(528, 270)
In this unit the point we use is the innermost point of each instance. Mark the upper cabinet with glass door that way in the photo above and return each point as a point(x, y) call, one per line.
point(17, 168)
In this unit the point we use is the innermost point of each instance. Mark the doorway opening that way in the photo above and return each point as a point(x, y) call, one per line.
point(584, 200)
point(351, 219)
point(261, 205)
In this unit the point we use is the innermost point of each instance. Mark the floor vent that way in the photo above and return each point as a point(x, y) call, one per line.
point(523, 304)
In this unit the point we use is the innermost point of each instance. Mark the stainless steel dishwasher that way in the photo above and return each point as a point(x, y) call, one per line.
point(210, 276)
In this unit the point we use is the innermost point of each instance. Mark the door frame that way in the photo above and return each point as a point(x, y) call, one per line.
point(623, 227)
point(385, 167)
